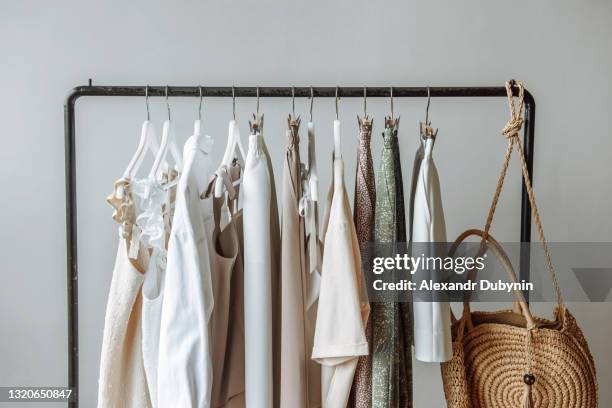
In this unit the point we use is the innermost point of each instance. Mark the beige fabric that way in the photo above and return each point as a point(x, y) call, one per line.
point(227, 321)
point(122, 382)
point(341, 318)
point(296, 390)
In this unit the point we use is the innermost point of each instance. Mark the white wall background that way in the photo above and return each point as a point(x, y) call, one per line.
point(561, 49)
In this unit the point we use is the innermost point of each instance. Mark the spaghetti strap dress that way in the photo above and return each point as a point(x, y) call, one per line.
point(227, 320)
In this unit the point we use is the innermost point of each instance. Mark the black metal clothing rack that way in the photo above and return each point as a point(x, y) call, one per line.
point(264, 92)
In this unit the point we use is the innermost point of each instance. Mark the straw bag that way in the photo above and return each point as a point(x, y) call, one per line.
point(510, 359)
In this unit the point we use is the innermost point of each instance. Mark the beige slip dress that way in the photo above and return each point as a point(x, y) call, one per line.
point(227, 320)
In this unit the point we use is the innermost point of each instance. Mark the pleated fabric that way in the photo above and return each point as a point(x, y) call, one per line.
point(391, 320)
point(364, 214)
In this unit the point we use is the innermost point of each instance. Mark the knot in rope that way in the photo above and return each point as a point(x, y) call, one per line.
point(514, 125)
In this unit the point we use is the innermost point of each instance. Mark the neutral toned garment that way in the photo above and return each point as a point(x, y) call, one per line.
point(185, 370)
point(341, 317)
point(227, 321)
point(392, 325)
point(152, 296)
point(260, 277)
point(295, 387)
point(364, 205)
point(309, 209)
point(432, 336)
point(122, 381)
point(156, 200)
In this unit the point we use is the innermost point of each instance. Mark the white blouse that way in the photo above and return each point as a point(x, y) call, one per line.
point(432, 336)
point(185, 370)
point(340, 327)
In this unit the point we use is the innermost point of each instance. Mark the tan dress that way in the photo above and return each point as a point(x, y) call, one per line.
point(296, 389)
point(122, 381)
point(227, 320)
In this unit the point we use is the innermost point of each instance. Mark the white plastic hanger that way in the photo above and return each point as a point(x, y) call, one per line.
point(205, 141)
point(233, 142)
point(148, 142)
point(312, 169)
point(233, 137)
point(337, 145)
point(168, 142)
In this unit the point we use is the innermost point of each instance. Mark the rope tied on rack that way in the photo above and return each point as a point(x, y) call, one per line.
point(511, 131)
point(514, 125)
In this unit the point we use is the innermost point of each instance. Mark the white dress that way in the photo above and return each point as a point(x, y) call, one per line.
point(341, 317)
point(153, 225)
point(432, 336)
point(261, 241)
point(184, 368)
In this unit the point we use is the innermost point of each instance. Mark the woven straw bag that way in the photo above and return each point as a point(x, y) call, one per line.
point(509, 358)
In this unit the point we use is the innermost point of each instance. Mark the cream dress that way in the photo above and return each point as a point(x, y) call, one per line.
point(341, 317)
point(122, 380)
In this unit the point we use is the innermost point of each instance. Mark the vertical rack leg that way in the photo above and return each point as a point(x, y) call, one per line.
point(528, 143)
point(71, 248)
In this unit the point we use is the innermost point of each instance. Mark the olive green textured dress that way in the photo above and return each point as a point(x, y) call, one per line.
point(391, 321)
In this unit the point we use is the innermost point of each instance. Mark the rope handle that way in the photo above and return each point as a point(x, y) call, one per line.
point(511, 131)
point(491, 245)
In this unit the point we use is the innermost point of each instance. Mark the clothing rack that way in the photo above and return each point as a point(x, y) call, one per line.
point(264, 92)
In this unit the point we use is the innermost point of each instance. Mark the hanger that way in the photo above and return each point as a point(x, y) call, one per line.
point(314, 194)
point(365, 123)
point(197, 126)
point(148, 142)
point(256, 125)
point(427, 132)
point(168, 142)
point(311, 102)
point(337, 145)
point(233, 137)
point(390, 121)
point(204, 141)
point(233, 142)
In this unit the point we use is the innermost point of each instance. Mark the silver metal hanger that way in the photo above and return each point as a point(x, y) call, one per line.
point(168, 103)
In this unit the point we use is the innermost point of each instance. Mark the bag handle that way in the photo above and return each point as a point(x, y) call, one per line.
point(511, 131)
point(491, 244)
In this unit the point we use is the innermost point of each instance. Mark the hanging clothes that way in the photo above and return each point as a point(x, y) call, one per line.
point(364, 205)
point(295, 386)
point(156, 201)
point(392, 323)
point(227, 321)
point(432, 336)
point(122, 381)
point(309, 210)
point(341, 317)
point(261, 304)
point(184, 368)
